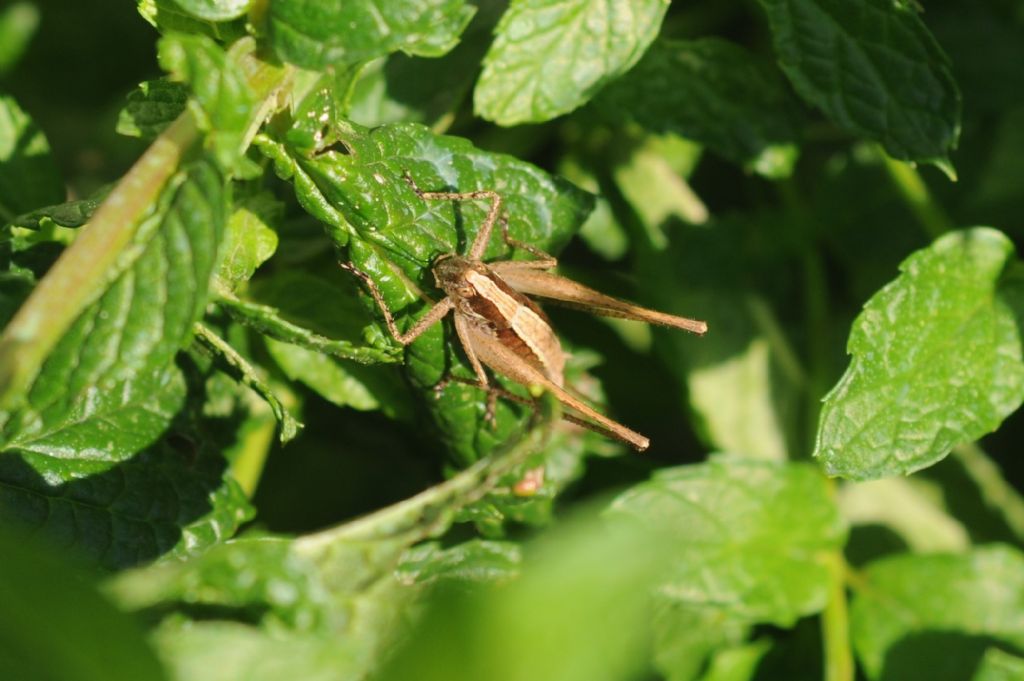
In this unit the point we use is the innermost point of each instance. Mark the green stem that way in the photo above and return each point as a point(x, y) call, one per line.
point(432, 511)
point(267, 321)
point(785, 355)
point(997, 493)
point(246, 374)
point(835, 623)
point(915, 194)
point(255, 441)
point(83, 269)
point(816, 314)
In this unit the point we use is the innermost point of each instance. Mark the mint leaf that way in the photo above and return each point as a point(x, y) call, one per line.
point(874, 69)
point(911, 508)
point(67, 214)
point(168, 16)
point(933, 616)
point(739, 662)
point(28, 174)
point(327, 604)
point(579, 612)
point(250, 239)
point(18, 23)
point(750, 535)
point(715, 93)
point(314, 34)
point(685, 636)
point(476, 560)
point(224, 98)
point(240, 369)
point(108, 391)
point(300, 297)
point(344, 384)
point(215, 10)
point(418, 89)
point(268, 321)
point(282, 583)
point(54, 624)
point(151, 107)
point(205, 650)
point(383, 224)
point(936, 361)
point(552, 56)
point(998, 665)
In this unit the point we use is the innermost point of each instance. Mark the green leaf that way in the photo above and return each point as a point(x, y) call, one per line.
point(268, 321)
point(250, 239)
point(71, 450)
point(936, 361)
point(998, 665)
point(315, 34)
point(715, 93)
point(751, 536)
point(552, 56)
point(476, 560)
point(343, 384)
point(151, 107)
point(749, 425)
point(261, 573)
point(54, 626)
point(240, 369)
point(222, 93)
point(228, 651)
point(685, 636)
point(387, 229)
point(215, 10)
point(300, 297)
point(910, 507)
point(874, 69)
point(68, 214)
point(89, 375)
point(739, 663)
point(28, 174)
point(18, 23)
point(578, 612)
point(423, 90)
point(323, 606)
point(168, 16)
point(933, 616)
point(744, 382)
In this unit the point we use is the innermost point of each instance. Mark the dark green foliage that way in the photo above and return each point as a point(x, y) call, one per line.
point(205, 423)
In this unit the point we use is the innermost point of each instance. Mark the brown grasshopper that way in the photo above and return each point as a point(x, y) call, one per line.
point(501, 328)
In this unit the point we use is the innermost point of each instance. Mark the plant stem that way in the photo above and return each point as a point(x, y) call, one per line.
point(919, 200)
point(246, 374)
point(816, 314)
point(432, 511)
point(269, 322)
point(86, 267)
point(835, 624)
point(816, 317)
point(83, 269)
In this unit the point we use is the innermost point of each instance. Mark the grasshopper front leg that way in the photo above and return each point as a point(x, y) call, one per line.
point(433, 316)
point(476, 251)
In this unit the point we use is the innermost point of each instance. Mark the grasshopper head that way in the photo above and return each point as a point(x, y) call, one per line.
point(450, 275)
